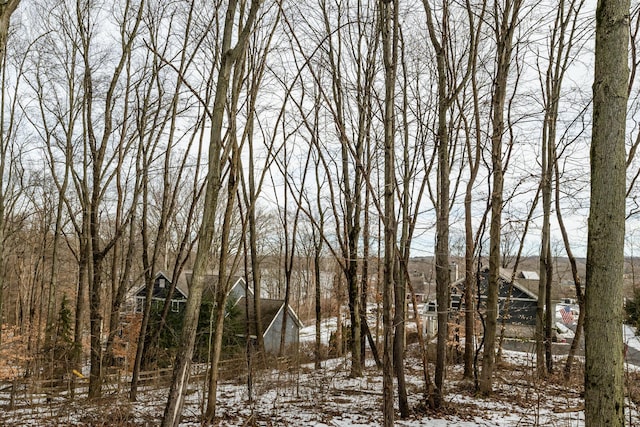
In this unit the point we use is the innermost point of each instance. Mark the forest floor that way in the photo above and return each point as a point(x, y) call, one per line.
point(296, 394)
point(305, 396)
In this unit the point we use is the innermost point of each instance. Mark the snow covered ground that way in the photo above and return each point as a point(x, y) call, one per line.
point(630, 337)
point(329, 397)
point(304, 396)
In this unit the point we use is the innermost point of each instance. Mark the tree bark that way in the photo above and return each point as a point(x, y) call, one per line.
point(604, 380)
point(389, 32)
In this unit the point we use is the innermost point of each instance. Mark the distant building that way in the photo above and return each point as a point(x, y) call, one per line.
point(516, 305)
point(529, 275)
point(272, 310)
point(161, 287)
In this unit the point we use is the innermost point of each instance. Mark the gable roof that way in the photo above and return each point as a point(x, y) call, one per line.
point(269, 310)
point(518, 292)
point(210, 283)
point(159, 292)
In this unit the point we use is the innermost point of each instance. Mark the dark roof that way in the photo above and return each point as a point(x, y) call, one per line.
point(210, 284)
point(517, 291)
point(523, 303)
point(161, 292)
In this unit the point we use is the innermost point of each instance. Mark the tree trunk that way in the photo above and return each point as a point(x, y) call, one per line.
point(400, 300)
point(576, 281)
point(389, 30)
point(604, 380)
point(317, 246)
point(544, 261)
point(180, 379)
point(505, 27)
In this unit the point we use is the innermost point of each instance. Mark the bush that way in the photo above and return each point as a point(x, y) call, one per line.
point(632, 309)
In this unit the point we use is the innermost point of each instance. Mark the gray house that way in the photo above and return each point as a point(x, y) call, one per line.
point(272, 316)
point(522, 303)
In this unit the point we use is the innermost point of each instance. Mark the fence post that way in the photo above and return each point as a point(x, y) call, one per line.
point(12, 398)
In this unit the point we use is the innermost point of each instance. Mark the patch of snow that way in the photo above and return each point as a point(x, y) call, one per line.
point(630, 337)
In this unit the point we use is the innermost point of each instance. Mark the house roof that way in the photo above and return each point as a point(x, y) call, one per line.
point(269, 309)
point(159, 292)
point(529, 275)
point(210, 283)
point(183, 284)
point(518, 291)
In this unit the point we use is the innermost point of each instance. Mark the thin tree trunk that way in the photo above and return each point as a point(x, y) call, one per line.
point(389, 32)
point(505, 27)
point(229, 55)
point(400, 301)
point(544, 262)
point(576, 281)
point(318, 307)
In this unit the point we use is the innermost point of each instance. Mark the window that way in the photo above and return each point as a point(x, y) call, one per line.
point(175, 306)
point(139, 304)
point(161, 282)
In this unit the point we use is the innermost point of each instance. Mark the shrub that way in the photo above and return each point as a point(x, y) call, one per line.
point(632, 309)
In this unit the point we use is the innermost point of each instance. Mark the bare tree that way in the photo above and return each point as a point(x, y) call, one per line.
point(561, 41)
point(230, 55)
point(80, 125)
point(390, 36)
point(6, 10)
point(506, 19)
point(158, 141)
point(352, 131)
point(254, 175)
point(448, 92)
point(604, 381)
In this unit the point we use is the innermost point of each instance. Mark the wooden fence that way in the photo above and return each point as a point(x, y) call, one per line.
point(24, 392)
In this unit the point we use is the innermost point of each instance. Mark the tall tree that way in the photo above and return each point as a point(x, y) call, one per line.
point(85, 125)
point(561, 42)
point(98, 139)
point(55, 84)
point(604, 381)
point(6, 10)
point(350, 51)
point(232, 50)
point(390, 35)
point(449, 84)
point(506, 22)
point(159, 136)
